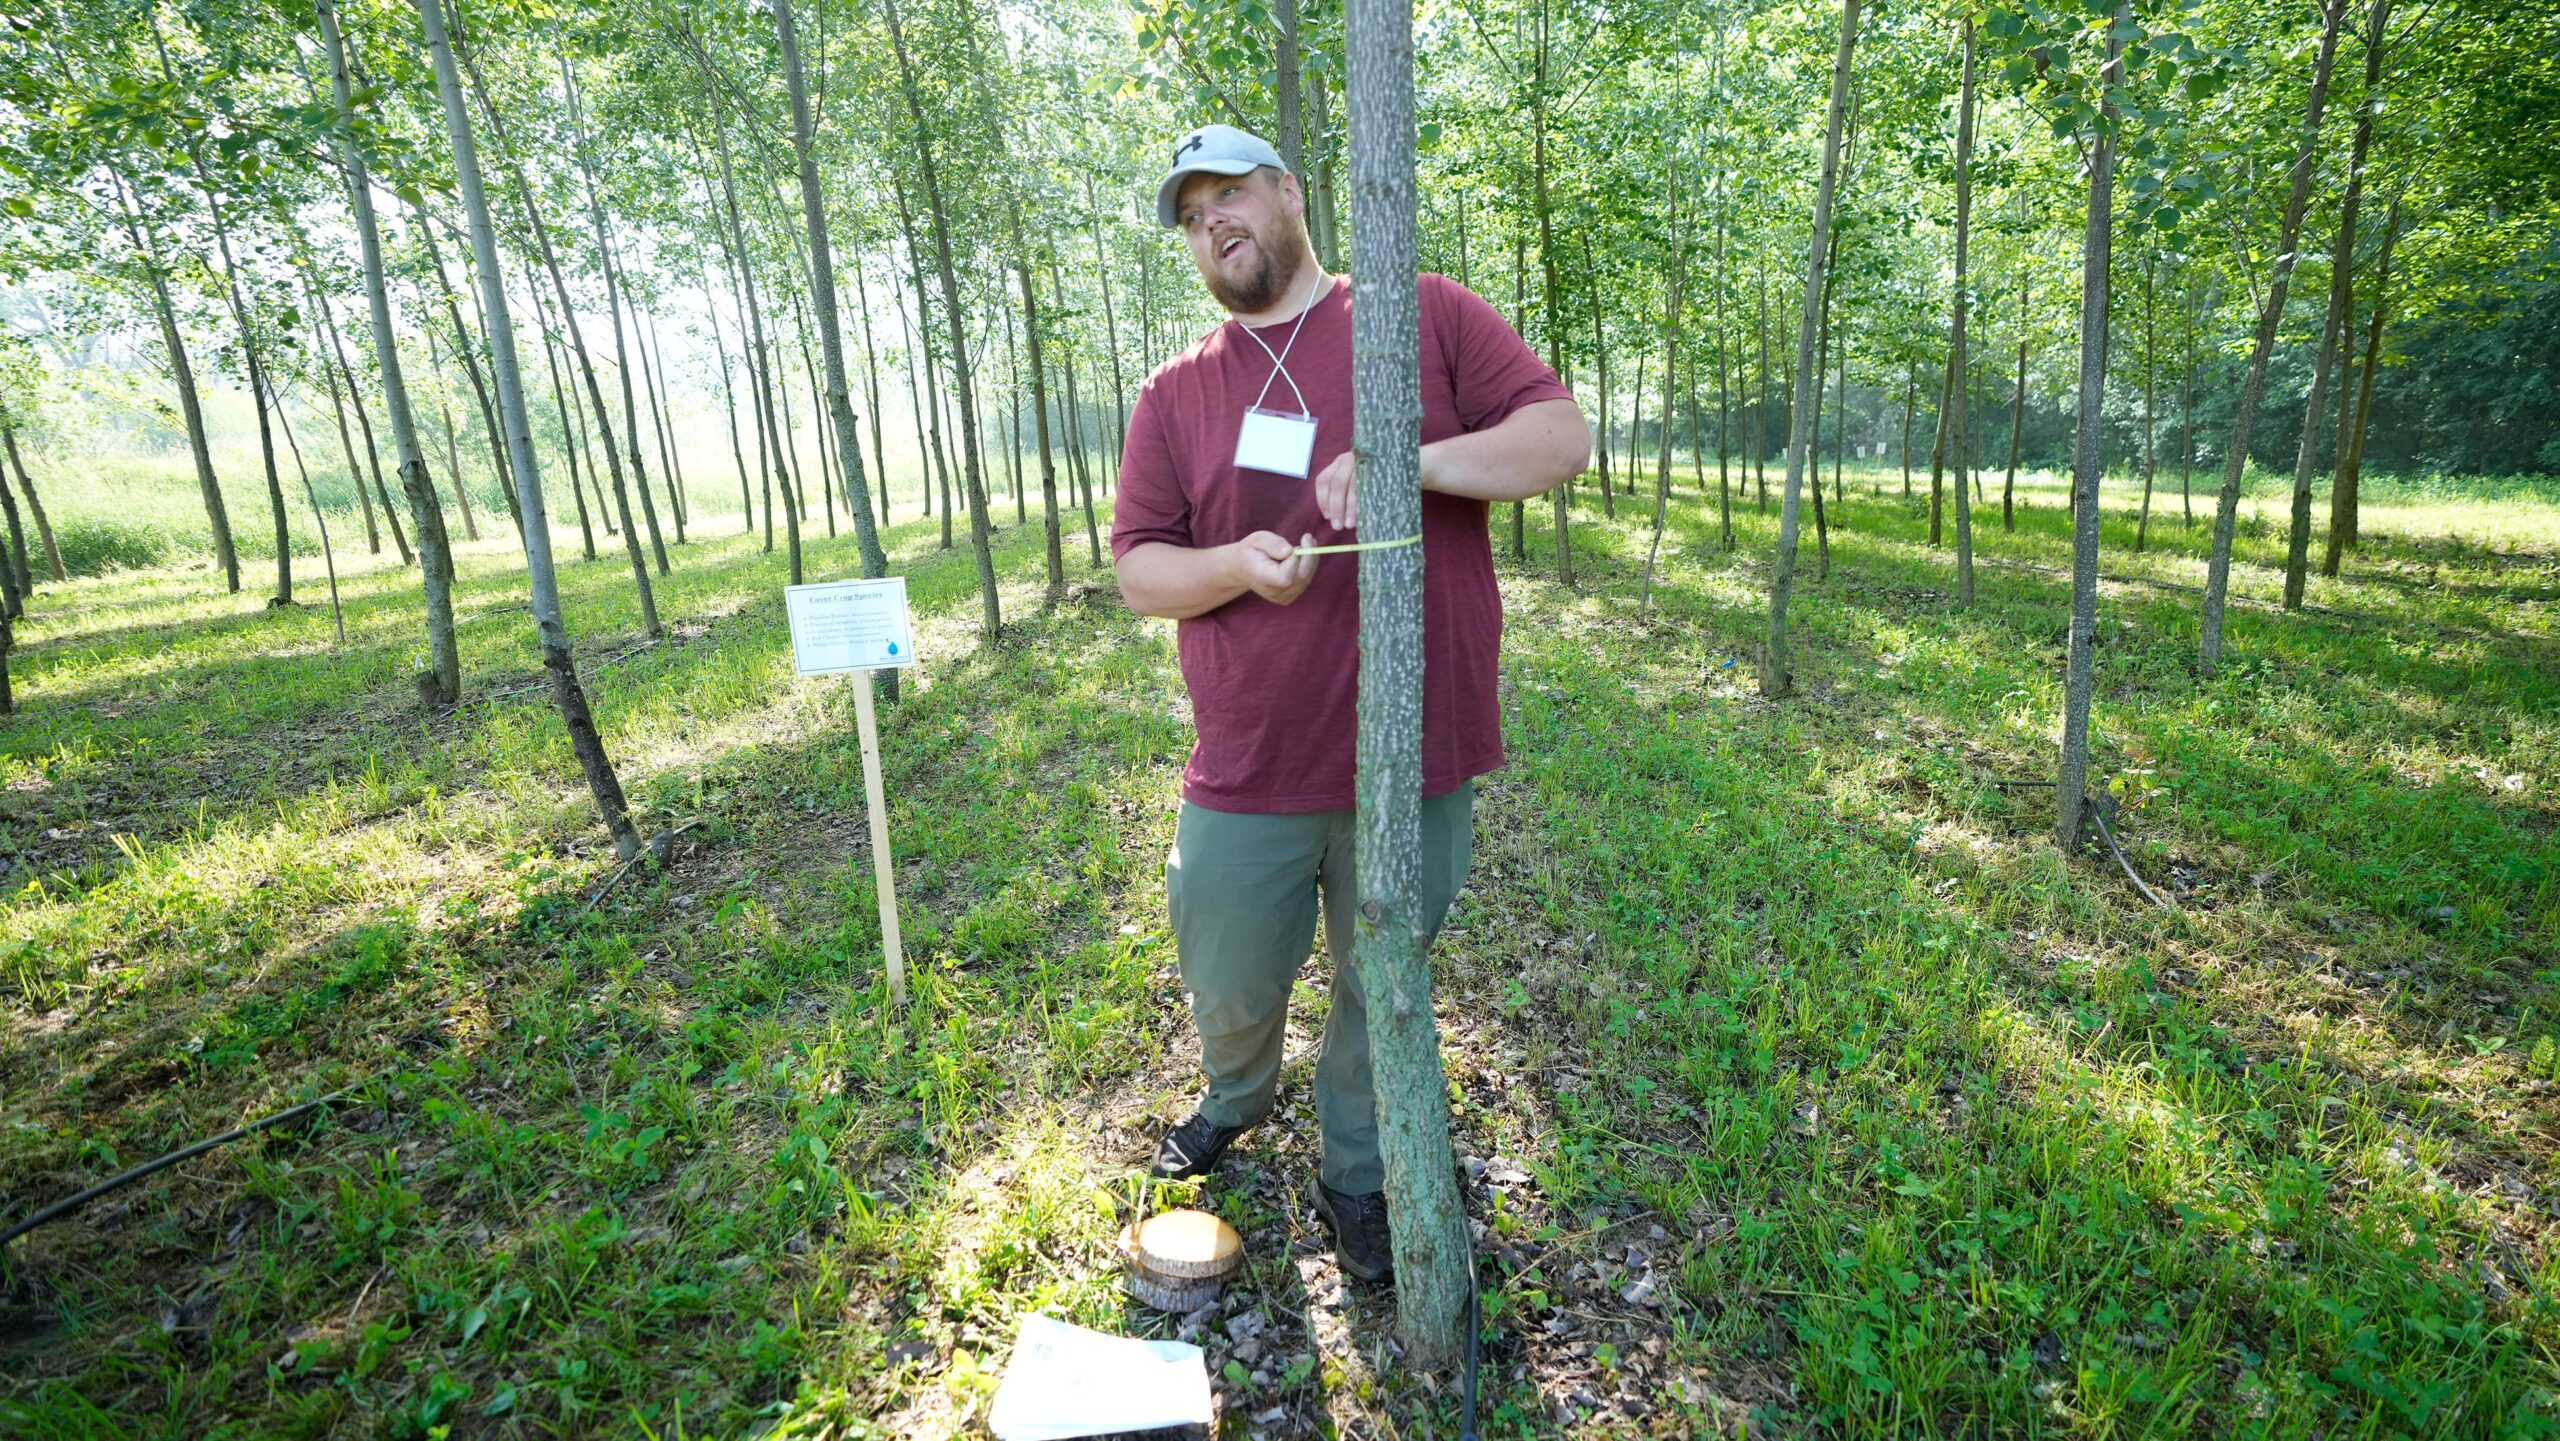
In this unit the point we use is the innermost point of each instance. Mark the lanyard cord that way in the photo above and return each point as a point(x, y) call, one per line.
point(1279, 362)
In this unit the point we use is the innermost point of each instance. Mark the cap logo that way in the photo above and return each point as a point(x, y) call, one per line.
point(1187, 146)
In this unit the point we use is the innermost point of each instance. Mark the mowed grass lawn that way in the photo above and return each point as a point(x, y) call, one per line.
point(1801, 1085)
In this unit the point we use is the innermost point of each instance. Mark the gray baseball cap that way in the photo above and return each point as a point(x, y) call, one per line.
point(1219, 150)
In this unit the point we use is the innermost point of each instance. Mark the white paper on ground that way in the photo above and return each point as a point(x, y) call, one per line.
point(1066, 1381)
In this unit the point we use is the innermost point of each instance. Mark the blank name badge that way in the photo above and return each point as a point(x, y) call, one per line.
point(1276, 441)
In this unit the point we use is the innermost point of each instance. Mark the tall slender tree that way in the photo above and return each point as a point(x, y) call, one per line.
point(1434, 1265)
point(975, 483)
point(1775, 679)
point(822, 282)
point(568, 696)
point(2226, 518)
point(441, 682)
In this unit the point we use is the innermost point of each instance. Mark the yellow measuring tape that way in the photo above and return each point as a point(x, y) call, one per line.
point(1348, 549)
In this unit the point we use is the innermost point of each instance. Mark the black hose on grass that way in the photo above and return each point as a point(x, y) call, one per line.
point(69, 1204)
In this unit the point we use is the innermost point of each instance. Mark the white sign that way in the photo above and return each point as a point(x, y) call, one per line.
point(1067, 1381)
point(844, 625)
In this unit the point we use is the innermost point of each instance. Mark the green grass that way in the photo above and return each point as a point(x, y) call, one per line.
point(1915, 1125)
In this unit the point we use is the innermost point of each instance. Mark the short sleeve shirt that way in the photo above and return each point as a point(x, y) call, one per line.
point(1275, 689)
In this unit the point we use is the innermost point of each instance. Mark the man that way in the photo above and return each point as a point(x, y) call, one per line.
point(1210, 498)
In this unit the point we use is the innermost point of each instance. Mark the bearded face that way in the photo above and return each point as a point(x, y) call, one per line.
point(1246, 239)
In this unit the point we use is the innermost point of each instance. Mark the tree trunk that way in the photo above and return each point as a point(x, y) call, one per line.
point(1434, 1264)
point(1075, 432)
point(1110, 318)
point(2337, 331)
point(2342, 502)
point(1323, 214)
point(2017, 422)
point(584, 364)
point(35, 507)
point(822, 301)
point(760, 362)
point(252, 356)
point(1760, 407)
point(2226, 520)
point(1547, 262)
point(567, 695)
point(729, 403)
point(977, 490)
point(915, 392)
point(463, 347)
point(1724, 392)
point(1600, 357)
point(1938, 453)
point(2187, 420)
point(328, 553)
point(930, 426)
point(1910, 402)
point(613, 311)
point(364, 423)
point(871, 386)
point(1775, 679)
point(661, 408)
point(1287, 99)
point(1520, 321)
point(440, 683)
point(2150, 396)
point(14, 560)
point(346, 440)
point(183, 375)
point(452, 442)
point(570, 436)
point(1955, 338)
point(1053, 550)
point(2096, 247)
point(1013, 402)
point(1670, 348)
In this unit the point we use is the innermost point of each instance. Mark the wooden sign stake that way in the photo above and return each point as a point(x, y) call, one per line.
point(861, 626)
point(868, 720)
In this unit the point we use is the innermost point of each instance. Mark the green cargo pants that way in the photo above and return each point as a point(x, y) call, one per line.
point(1243, 890)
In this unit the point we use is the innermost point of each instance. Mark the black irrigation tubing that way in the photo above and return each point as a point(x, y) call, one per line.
point(69, 1204)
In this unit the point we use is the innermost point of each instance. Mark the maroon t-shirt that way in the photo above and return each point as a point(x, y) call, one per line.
point(1274, 689)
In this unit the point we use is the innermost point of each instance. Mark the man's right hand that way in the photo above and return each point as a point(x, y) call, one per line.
point(1271, 568)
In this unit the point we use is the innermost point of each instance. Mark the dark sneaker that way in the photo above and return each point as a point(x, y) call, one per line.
point(1360, 1244)
point(1191, 1148)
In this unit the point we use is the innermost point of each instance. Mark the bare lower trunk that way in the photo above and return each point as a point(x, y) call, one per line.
point(190, 408)
point(35, 507)
point(569, 433)
point(979, 538)
point(2343, 496)
point(1956, 362)
point(2226, 518)
point(1775, 679)
point(441, 682)
point(583, 363)
point(822, 282)
point(621, 351)
point(567, 695)
point(1434, 1264)
point(2097, 242)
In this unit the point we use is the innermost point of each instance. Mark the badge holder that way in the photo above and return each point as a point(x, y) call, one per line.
point(1276, 441)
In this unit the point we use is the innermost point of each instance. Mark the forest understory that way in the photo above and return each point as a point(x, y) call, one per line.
point(1800, 1084)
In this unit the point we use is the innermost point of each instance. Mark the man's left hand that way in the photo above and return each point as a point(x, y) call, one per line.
point(1338, 494)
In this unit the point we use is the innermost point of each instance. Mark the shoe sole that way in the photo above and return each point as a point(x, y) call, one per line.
point(1324, 1210)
